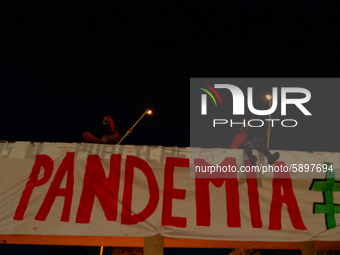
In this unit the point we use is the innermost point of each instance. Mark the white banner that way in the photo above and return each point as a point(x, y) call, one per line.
point(115, 190)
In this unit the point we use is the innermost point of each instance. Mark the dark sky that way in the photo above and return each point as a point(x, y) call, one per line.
point(64, 66)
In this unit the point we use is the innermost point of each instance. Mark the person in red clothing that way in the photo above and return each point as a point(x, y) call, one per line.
point(248, 141)
point(106, 133)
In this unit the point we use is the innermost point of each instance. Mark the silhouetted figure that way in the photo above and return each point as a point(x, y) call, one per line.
point(104, 134)
point(248, 141)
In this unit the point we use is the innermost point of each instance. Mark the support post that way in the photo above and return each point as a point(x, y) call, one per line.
point(308, 248)
point(154, 245)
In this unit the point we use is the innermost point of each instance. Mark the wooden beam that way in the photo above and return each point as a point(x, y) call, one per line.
point(308, 248)
point(154, 245)
point(168, 242)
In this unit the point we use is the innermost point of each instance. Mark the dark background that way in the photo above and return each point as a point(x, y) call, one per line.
point(66, 64)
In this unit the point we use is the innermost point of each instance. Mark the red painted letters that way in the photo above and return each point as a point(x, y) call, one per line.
point(67, 166)
point(171, 193)
point(254, 198)
point(96, 184)
point(130, 164)
point(282, 180)
point(41, 161)
point(203, 196)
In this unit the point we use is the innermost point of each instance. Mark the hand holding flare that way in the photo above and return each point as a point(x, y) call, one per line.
point(148, 111)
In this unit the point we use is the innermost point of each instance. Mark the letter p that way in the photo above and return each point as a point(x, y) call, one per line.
point(219, 121)
point(41, 161)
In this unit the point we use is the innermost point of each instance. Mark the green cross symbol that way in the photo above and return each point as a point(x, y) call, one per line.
point(327, 186)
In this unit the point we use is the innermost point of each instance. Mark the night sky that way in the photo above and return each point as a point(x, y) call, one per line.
point(64, 66)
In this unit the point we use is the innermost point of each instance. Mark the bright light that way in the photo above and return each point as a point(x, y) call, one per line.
point(149, 112)
point(268, 97)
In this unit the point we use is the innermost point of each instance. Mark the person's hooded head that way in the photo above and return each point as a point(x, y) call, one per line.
point(108, 124)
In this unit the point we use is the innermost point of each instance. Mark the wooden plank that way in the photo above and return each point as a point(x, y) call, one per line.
point(73, 240)
point(168, 242)
point(154, 245)
point(308, 248)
